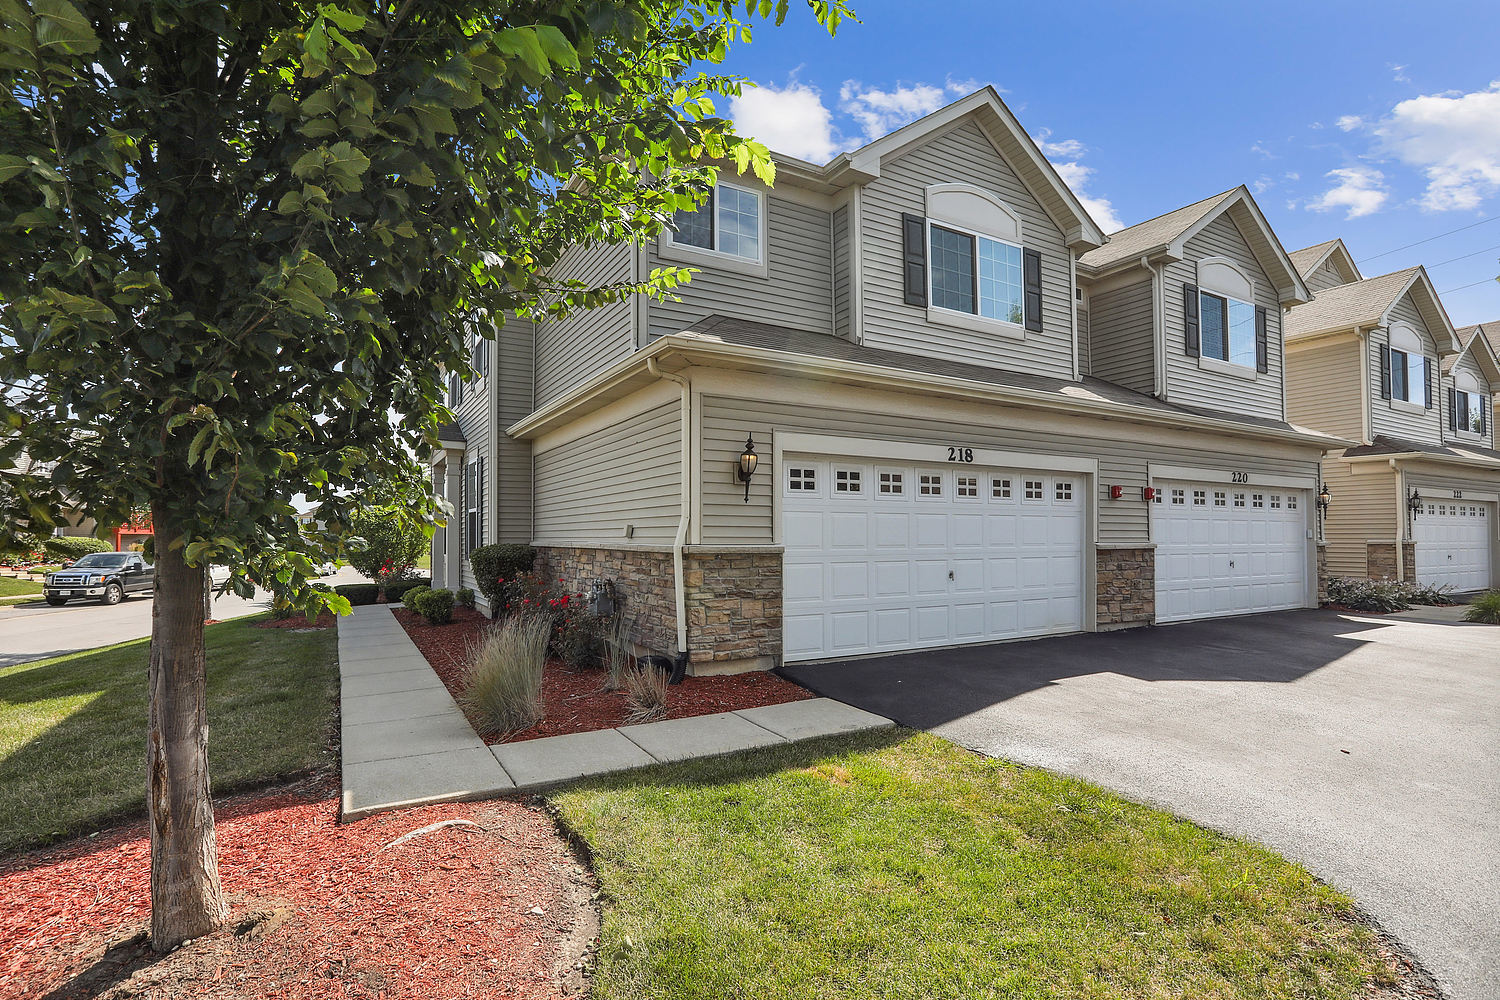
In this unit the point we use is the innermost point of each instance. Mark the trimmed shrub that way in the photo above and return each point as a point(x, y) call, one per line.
point(495, 564)
point(412, 597)
point(398, 591)
point(1485, 608)
point(69, 548)
point(358, 593)
point(1432, 596)
point(465, 598)
point(579, 637)
point(503, 683)
point(436, 606)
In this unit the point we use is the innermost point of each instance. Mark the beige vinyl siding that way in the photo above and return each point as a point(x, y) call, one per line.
point(1324, 276)
point(1437, 483)
point(1123, 452)
point(963, 154)
point(1192, 385)
point(1322, 388)
point(1362, 509)
point(628, 473)
point(1470, 366)
point(475, 418)
point(570, 350)
point(1085, 348)
point(1120, 336)
point(843, 280)
point(797, 291)
point(1394, 420)
point(511, 465)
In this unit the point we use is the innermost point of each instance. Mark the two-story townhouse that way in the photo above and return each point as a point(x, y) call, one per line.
point(1376, 360)
point(902, 405)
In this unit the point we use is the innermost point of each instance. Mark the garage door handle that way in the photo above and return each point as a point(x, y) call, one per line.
point(950, 572)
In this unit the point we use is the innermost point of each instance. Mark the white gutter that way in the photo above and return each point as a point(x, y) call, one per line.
point(685, 517)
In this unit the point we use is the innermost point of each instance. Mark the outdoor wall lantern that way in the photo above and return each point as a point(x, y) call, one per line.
point(1324, 500)
point(1414, 503)
point(746, 467)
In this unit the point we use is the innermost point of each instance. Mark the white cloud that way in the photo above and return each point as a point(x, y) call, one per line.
point(1454, 139)
point(1350, 122)
point(1358, 191)
point(792, 120)
point(1398, 73)
point(1061, 147)
point(1292, 175)
point(1258, 147)
point(880, 112)
point(1262, 184)
point(1076, 176)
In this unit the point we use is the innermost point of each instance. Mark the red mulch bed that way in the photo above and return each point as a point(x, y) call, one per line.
point(318, 909)
point(325, 620)
point(573, 699)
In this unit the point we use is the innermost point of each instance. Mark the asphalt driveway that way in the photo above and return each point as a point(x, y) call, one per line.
point(1368, 749)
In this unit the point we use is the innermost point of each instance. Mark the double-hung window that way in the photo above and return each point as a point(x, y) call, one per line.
point(1469, 411)
point(473, 500)
point(1228, 329)
point(976, 274)
point(1408, 377)
point(730, 223)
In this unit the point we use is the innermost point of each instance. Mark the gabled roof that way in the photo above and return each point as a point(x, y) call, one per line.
point(1019, 149)
point(1309, 259)
point(1476, 341)
point(1368, 303)
point(1169, 234)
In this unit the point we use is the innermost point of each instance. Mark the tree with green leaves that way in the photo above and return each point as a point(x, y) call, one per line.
point(388, 540)
point(238, 236)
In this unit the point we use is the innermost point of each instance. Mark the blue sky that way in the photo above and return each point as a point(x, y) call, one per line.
point(1377, 122)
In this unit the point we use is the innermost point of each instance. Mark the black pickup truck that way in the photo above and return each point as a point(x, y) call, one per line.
point(107, 576)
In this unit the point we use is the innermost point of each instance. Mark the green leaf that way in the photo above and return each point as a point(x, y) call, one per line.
point(557, 47)
point(11, 166)
point(59, 25)
point(345, 19)
point(524, 45)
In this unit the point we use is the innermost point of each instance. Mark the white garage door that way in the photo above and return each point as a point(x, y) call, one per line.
point(882, 558)
point(1228, 550)
point(1453, 544)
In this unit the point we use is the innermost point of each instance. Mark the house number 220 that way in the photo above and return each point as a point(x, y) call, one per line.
point(1239, 477)
point(960, 454)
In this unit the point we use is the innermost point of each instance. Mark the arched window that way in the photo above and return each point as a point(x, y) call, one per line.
point(1408, 367)
point(1226, 310)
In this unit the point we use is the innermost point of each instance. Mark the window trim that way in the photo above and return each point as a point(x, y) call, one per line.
point(1223, 365)
point(1418, 405)
point(668, 248)
point(944, 316)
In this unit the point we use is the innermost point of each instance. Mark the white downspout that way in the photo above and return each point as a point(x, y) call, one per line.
point(685, 517)
point(1400, 521)
point(1158, 326)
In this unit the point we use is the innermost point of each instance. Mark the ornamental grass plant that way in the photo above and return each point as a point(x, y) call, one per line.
point(503, 684)
point(1485, 608)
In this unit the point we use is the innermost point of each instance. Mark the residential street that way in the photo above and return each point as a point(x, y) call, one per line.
point(36, 631)
point(1368, 749)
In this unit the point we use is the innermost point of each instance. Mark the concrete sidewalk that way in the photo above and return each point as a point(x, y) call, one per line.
point(407, 743)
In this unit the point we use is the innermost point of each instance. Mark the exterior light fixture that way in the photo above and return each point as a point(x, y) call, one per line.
point(1148, 493)
point(1323, 500)
point(1116, 492)
point(746, 467)
point(1414, 503)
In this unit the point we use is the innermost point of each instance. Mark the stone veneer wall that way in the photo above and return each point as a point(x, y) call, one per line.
point(1322, 574)
point(733, 598)
point(734, 607)
point(643, 585)
point(1126, 587)
point(1380, 560)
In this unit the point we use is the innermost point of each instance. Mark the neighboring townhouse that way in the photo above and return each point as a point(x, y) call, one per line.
point(913, 398)
point(1376, 360)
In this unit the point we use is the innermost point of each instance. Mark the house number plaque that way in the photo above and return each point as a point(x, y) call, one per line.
point(960, 454)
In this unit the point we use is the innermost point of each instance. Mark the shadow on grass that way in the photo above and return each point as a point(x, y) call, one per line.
point(72, 729)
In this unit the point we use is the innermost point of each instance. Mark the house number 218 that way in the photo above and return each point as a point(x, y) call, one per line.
point(960, 454)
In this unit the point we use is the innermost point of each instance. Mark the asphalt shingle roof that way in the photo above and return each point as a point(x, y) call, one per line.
point(1307, 258)
point(1347, 305)
point(1384, 445)
point(1146, 236)
point(748, 333)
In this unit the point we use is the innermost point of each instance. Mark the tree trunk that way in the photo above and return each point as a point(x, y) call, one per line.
point(186, 898)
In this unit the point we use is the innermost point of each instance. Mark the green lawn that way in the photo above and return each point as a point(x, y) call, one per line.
point(898, 865)
point(73, 729)
point(15, 591)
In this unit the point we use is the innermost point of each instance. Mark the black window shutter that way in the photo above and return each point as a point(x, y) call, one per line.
point(1190, 340)
point(1032, 276)
point(1452, 409)
point(1385, 371)
point(1262, 352)
point(461, 515)
point(480, 484)
point(1484, 415)
point(914, 254)
point(1429, 369)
